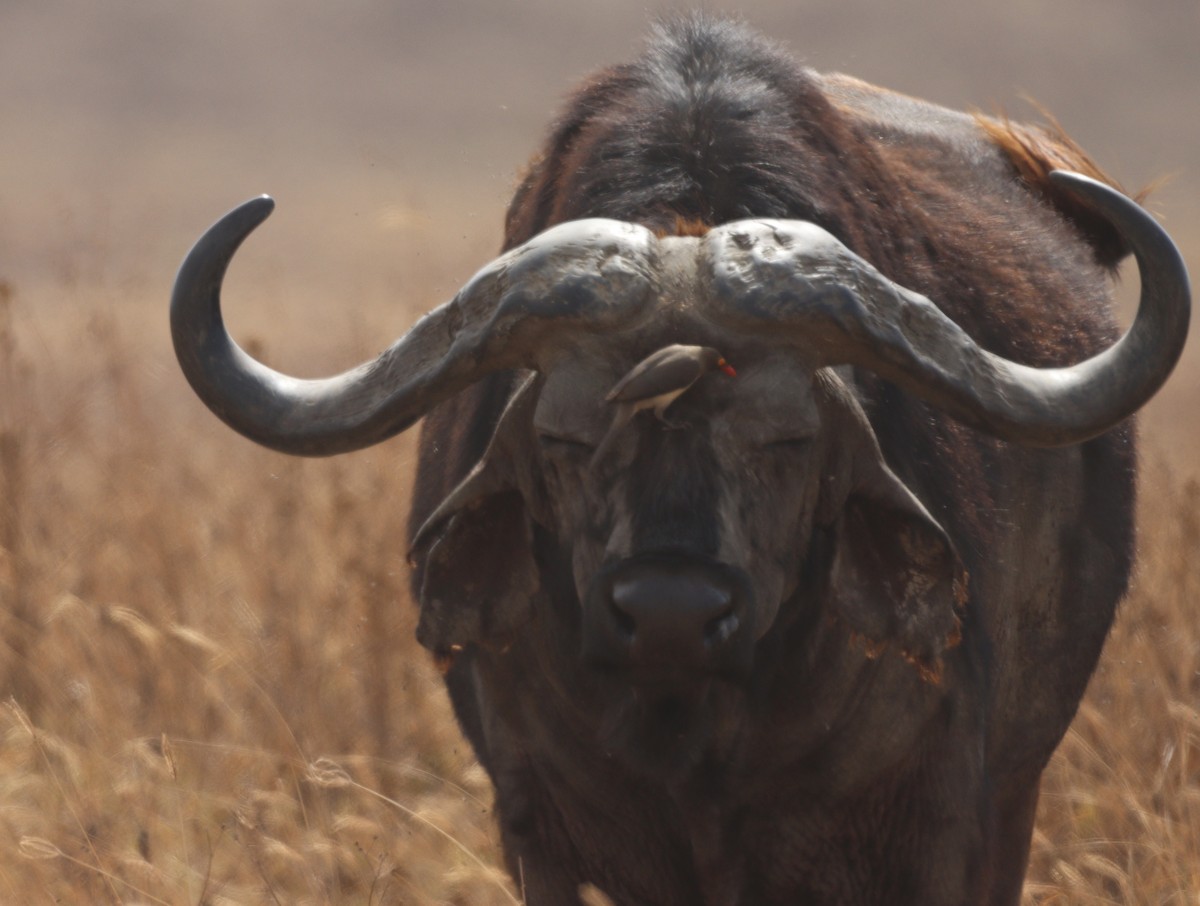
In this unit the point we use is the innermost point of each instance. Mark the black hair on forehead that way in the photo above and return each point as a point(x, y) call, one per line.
point(704, 126)
point(673, 492)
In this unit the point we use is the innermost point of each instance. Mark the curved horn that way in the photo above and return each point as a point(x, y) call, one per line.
point(795, 277)
point(592, 274)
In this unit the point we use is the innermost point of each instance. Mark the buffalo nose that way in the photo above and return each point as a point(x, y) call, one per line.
point(672, 617)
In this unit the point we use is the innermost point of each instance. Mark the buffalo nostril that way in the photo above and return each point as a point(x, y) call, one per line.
point(626, 625)
point(677, 614)
point(720, 627)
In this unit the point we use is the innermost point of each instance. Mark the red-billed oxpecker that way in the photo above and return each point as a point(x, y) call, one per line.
point(655, 383)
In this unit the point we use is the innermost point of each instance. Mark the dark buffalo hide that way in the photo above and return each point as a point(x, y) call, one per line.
point(855, 759)
point(776, 491)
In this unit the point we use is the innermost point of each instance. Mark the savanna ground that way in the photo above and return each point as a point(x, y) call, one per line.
point(211, 693)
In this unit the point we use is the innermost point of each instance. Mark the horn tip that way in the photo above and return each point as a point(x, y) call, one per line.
point(260, 207)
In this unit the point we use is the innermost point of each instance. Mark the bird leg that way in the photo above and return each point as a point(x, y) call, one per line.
point(667, 423)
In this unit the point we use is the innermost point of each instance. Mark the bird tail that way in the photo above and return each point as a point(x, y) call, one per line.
point(620, 419)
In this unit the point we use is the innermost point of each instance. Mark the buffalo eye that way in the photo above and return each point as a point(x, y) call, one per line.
point(567, 445)
point(789, 445)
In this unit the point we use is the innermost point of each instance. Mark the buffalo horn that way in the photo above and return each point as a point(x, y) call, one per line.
point(584, 275)
point(793, 278)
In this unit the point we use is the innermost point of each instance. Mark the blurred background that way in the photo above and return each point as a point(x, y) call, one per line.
point(391, 133)
point(189, 622)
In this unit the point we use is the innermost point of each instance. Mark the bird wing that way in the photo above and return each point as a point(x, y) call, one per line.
point(621, 418)
point(674, 368)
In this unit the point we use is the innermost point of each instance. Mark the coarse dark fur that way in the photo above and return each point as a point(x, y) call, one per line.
point(911, 790)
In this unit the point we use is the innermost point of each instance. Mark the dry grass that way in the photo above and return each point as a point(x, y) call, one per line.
point(212, 696)
point(1120, 810)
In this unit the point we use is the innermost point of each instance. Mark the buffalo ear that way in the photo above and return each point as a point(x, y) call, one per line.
point(896, 578)
point(479, 578)
point(505, 465)
point(474, 554)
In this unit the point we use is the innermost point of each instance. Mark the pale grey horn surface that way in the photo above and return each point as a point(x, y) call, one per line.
point(793, 278)
point(583, 275)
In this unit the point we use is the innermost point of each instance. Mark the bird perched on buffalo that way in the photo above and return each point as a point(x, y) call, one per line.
point(654, 383)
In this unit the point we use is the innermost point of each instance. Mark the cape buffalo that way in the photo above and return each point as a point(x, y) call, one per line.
point(812, 635)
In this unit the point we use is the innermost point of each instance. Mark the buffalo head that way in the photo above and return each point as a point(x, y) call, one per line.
point(680, 543)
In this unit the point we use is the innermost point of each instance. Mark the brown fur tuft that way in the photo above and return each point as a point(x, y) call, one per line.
point(1034, 151)
point(686, 226)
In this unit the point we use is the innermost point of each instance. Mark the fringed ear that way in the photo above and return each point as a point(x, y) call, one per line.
point(479, 578)
point(896, 578)
point(504, 465)
point(1034, 151)
point(474, 554)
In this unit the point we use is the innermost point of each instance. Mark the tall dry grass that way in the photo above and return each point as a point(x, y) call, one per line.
point(1120, 809)
point(211, 694)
